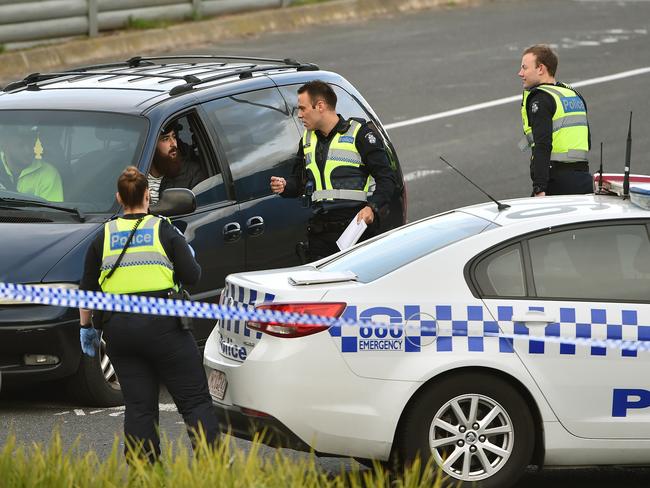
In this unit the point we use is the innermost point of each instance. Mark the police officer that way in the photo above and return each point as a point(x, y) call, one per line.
point(143, 254)
point(335, 163)
point(555, 125)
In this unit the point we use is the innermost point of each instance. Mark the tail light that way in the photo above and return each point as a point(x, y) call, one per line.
point(290, 330)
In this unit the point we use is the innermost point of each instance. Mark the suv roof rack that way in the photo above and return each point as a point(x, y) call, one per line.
point(137, 60)
point(31, 81)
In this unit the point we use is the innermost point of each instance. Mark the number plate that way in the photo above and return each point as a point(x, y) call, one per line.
point(217, 383)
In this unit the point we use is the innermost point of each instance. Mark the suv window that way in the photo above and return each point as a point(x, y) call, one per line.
point(596, 263)
point(69, 156)
point(345, 104)
point(502, 273)
point(197, 174)
point(258, 136)
point(379, 257)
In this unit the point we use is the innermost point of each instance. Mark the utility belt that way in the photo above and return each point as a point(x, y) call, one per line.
point(560, 167)
point(320, 226)
point(101, 317)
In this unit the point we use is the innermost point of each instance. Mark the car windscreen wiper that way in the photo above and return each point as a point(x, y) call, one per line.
point(36, 203)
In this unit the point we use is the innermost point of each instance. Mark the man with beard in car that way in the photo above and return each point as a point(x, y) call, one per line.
point(171, 166)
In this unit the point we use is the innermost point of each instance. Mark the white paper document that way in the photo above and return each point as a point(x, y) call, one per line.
point(351, 234)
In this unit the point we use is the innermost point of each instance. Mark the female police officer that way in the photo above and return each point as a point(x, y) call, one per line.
point(146, 350)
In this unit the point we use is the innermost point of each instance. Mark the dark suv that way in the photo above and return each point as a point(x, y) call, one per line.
point(235, 116)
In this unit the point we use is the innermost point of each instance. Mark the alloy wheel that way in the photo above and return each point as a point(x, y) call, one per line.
point(471, 437)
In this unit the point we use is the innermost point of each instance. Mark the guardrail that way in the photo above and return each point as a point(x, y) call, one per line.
point(29, 20)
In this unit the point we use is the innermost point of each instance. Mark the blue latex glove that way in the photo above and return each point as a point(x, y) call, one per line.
point(89, 339)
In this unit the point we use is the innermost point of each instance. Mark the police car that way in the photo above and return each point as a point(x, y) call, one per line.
point(506, 338)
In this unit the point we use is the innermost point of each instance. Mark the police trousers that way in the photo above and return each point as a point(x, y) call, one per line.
point(147, 351)
point(569, 179)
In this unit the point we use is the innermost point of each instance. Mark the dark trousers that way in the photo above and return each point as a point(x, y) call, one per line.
point(564, 179)
point(322, 236)
point(322, 244)
point(146, 351)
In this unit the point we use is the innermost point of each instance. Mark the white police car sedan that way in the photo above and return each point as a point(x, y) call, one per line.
point(509, 338)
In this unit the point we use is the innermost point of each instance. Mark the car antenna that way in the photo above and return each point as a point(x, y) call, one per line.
point(600, 171)
point(500, 206)
point(628, 151)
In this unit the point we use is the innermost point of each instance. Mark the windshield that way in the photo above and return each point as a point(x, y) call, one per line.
point(71, 158)
point(402, 246)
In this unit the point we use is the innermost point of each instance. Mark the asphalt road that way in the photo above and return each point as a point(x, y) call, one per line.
point(435, 61)
point(426, 64)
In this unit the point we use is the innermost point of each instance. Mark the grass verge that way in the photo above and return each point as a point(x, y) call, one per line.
point(52, 466)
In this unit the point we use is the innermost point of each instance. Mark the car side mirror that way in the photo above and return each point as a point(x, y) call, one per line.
point(174, 201)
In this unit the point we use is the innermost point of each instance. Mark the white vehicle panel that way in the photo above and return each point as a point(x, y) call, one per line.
point(315, 393)
point(343, 391)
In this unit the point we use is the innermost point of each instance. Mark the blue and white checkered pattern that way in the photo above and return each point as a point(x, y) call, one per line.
point(471, 328)
point(64, 297)
point(244, 299)
point(598, 329)
point(454, 328)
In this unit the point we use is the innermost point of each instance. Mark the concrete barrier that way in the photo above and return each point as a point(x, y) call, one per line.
point(125, 44)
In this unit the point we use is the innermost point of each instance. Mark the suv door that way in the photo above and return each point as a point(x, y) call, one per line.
point(583, 284)
point(214, 229)
point(259, 138)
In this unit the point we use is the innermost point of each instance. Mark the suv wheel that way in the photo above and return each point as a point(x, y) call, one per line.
point(95, 382)
point(476, 427)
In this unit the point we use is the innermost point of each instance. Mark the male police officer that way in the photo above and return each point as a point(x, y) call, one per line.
point(555, 124)
point(336, 159)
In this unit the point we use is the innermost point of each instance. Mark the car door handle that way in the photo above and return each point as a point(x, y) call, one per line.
point(231, 232)
point(535, 316)
point(255, 225)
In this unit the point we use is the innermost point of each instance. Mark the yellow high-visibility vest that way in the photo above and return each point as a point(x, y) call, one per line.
point(343, 177)
point(570, 127)
point(145, 265)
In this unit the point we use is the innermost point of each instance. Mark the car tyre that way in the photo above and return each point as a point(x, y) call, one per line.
point(476, 427)
point(95, 382)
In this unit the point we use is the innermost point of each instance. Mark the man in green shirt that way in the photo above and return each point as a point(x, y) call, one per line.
point(20, 171)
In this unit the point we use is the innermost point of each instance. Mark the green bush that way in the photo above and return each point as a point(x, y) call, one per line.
point(52, 466)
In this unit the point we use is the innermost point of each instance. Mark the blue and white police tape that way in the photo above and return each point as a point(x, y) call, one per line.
point(66, 297)
point(139, 304)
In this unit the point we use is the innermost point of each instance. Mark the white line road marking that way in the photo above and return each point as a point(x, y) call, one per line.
point(516, 98)
point(117, 411)
point(421, 173)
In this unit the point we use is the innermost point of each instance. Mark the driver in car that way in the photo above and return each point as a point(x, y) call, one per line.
point(21, 171)
point(172, 167)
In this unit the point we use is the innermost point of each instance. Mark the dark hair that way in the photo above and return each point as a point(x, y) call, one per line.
point(544, 55)
point(319, 90)
point(131, 186)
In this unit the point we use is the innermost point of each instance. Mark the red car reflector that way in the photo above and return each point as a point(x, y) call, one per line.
point(254, 413)
point(290, 330)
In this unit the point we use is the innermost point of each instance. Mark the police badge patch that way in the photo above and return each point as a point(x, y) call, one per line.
point(371, 138)
point(534, 107)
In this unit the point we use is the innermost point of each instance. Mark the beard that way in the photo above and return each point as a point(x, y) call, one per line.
point(170, 166)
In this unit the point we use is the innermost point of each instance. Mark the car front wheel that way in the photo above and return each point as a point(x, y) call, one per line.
point(95, 383)
point(475, 427)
